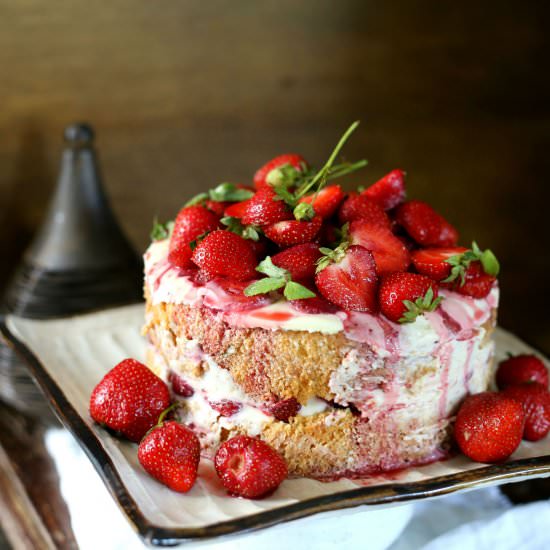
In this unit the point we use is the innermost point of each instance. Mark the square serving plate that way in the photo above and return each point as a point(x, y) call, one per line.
point(69, 356)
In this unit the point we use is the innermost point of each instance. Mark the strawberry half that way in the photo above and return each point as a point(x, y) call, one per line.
point(300, 260)
point(389, 191)
point(192, 222)
point(477, 283)
point(347, 278)
point(521, 369)
point(180, 256)
point(226, 254)
point(170, 453)
point(293, 232)
point(404, 296)
point(489, 426)
point(425, 225)
point(535, 400)
point(249, 467)
point(265, 208)
point(360, 207)
point(390, 254)
point(129, 399)
point(326, 202)
point(262, 174)
point(432, 262)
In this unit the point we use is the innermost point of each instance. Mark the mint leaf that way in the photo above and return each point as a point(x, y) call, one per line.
point(267, 267)
point(263, 286)
point(296, 291)
point(161, 231)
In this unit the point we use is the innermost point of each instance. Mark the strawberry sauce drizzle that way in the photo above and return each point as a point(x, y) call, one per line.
point(467, 373)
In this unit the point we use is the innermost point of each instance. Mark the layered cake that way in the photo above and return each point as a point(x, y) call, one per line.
point(344, 329)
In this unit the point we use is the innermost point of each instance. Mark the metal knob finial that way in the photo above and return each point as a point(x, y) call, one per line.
point(79, 134)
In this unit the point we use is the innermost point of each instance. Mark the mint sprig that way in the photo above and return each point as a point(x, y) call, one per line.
point(224, 192)
point(277, 277)
point(161, 231)
point(419, 306)
point(461, 262)
point(234, 225)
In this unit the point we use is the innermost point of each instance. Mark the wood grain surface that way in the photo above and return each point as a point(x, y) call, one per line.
point(187, 94)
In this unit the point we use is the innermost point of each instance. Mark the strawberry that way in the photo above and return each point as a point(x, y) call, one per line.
point(237, 209)
point(328, 235)
point(179, 385)
point(192, 222)
point(170, 453)
point(520, 369)
point(326, 201)
point(129, 399)
point(293, 232)
point(432, 262)
point(226, 407)
point(360, 207)
point(226, 254)
point(404, 296)
point(535, 400)
point(425, 225)
point(261, 177)
point(216, 207)
point(265, 208)
point(180, 255)
point(389, 191)
point(347, 277)
point(249, 467)
point(313, 305)
point(390, 254)
point(285, 409)
point(477, 283)
point(300, 260)
point(489, 426)
point(237, 300)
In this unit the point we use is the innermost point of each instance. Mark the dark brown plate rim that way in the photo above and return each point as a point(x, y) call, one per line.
point(391, 493)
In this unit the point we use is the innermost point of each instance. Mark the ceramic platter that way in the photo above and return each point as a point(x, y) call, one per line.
point(69, 356)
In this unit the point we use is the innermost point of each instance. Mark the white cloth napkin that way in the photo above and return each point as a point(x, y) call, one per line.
point(477, 520)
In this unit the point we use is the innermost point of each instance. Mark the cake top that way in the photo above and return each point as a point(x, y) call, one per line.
point(295, 241)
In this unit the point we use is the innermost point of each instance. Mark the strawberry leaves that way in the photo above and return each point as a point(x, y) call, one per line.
point(461, 262)
point(161, 231)
point(224, 192)
point(419, 306)
point(234, 225)
point(277, 278)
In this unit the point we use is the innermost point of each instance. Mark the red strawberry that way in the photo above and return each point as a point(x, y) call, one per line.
point(326, 202)
point(285, 409)
point(328, 235)
point(313, 305)
point(265, 208)
point(535, 400)
point(299, 260)
point(237, 301)
point(432, 261)
point(425, 225)
point(249, 467)
point(180, 255)
point(389, 191)
point(237, 209)
point(520, 369)
point(179, 385)
point(477, 283)
point(489, 426)
point(260, 247)
point(192, 222)
point(360, 207)
point(350, 279)
point(293, 232)
point(226, 407)
point(129, 399)
point(419, 293)
point(261, 175)
point(170, 453)
point(390, 254)
point(218, 208)
point(226, 254)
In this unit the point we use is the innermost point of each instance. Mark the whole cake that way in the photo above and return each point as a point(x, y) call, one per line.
point(344, 329)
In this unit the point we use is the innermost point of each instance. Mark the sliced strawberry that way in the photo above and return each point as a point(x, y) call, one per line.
point(390, 254)
point(236, 299)
point(261, 175)
point(389, 191)
point(432, 261)
point(226, 407)
point(226, 254)
point(192, 222)
point(425, 225)
point(350, 280)
point(265, 208)
point(326, 202)
point(179, 385)
point(285, 409)
point(299, 260)
point(293, 232)
point(403, 296)
point(360, 207)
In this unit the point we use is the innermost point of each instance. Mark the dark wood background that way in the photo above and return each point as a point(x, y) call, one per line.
point(187, 94)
